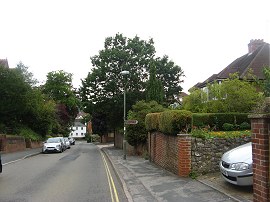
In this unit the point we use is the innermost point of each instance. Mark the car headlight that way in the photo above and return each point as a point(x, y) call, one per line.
point(239, 166)
point(58, 146)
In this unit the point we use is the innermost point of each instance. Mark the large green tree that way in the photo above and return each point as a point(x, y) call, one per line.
point(13, 91)
point(102, 90)
point(171, 77)
point(27, 75)
point(154, 89)
point(232, 95)
point(58, 87)
point(22, 106)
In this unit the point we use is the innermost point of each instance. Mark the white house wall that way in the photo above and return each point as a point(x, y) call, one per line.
point(78, 132)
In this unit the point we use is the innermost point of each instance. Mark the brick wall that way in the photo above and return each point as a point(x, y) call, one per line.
point(12, 143)
point(260, 125)
point(182, 154)
point(165, 151)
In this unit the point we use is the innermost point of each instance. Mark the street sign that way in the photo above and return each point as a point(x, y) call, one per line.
point(131, 122)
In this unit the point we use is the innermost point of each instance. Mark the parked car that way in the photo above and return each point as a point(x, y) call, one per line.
point(71, 140)
point(63, 142)
point(236, 165)
point(0, 164)
point(67, 142)
point(54, 144)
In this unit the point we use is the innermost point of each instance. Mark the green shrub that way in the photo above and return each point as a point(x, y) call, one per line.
point(200, 133)
point(205, 134)
point(216, 120)
point(244, 126)
point(29, 134)
point(173, 122)
point(152, 121)
point(137, 134)
point(95, 138)
point(228, 127)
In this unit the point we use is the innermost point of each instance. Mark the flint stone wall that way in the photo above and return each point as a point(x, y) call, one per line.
point(206, 153)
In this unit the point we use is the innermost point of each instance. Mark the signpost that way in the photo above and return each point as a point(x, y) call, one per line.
point(131, 122)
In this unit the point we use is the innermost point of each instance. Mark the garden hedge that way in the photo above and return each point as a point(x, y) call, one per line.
point(173, 122)
point(152, 121)
point(216, 120)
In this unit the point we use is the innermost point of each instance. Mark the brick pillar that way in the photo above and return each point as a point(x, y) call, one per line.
point(184, 150)
point(260, 154)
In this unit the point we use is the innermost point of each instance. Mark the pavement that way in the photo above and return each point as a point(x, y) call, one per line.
point(144, 181)
point(19, 155)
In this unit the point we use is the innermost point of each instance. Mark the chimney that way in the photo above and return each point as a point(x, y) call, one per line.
point(254, 44)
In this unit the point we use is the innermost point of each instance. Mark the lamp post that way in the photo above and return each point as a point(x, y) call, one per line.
point(124, 138)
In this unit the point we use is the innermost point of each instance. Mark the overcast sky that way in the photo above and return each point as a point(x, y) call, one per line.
point(202, 37)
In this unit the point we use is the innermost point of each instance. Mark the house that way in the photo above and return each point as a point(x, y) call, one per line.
point(4, 63)
point(78, 130)
point(256, 59)
point(179, 99)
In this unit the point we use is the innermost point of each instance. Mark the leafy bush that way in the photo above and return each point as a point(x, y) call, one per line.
point(137, 134)
point(29, 134)
point(216, 120)
point(173, 122)
point(152, 121)
point(95, 138)
point(228, 127)
point(205, 134)
point(244, 126)
point(200, 133)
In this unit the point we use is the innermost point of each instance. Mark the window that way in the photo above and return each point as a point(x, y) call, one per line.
point(81, 133)
point(81, 128)
point(76, 134)
point(76, 128)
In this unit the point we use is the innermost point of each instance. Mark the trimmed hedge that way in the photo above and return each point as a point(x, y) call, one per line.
point(173, 122)
point(152, 122)
point(216, 120)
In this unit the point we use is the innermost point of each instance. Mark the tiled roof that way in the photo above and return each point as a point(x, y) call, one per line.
point(78, 124)
point(255, 61)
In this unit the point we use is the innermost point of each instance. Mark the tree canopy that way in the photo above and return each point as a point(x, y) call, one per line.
point(102, 90)
point(58, 87)
point(154, 88)
point(232, 95)
point(22, 106)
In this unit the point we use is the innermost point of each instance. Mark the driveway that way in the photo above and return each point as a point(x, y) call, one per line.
point(215, 180)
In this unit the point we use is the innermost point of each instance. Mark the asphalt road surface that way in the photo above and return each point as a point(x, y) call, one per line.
point(79, 174)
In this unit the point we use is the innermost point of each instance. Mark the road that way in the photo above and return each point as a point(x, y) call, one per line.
point(79, 174)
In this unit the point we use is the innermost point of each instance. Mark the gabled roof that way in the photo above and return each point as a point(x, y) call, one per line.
point(4, 63)
point(255, 61)
point(78, 124)
point(211, 79)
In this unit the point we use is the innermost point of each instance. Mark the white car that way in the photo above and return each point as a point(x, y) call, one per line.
point(236, 165)
point(67, 142)
point(54, 144)
point(71, 140)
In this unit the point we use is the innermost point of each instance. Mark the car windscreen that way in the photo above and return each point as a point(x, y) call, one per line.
point(53, 140)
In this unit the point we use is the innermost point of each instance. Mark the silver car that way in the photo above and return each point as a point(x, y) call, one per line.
point(67, 142)
point(54, 144)
point(236, 165)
